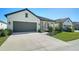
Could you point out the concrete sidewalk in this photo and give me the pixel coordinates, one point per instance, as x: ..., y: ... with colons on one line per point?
x: 73, y: 46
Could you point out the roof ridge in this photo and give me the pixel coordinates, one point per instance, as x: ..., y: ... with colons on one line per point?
x: 63, y: 18
x: 15, y: 12
x: 44, y: 18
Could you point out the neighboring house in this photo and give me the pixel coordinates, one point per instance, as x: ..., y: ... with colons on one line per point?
x: 65, y: 23
x: 76, y: 25
x: 3, y: 25
x: 26, y: 21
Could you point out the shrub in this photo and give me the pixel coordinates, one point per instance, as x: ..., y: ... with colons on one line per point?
x: 73, y: 29
x: 58, y: 29
x: 39, y: 30
x: 50, y: 30
x: 6, y: 32
x: 9, y: 32
x: 69, y: 29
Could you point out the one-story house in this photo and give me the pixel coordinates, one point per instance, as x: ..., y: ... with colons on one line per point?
x: 26, y: 21
x: 3, y: 25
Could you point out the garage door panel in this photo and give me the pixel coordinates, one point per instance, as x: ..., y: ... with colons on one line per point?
x: 24, y: 27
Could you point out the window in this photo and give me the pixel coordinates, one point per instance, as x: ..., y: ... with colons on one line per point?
x: 26, y: 15
x: 68, y: 21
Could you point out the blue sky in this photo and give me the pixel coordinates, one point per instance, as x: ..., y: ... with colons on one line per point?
x: 52, y: 13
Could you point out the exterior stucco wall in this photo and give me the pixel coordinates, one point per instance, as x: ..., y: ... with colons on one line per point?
x: 20, y: 16
x: 45, y: 24
x: 52, y: 24
x: 56, y: 24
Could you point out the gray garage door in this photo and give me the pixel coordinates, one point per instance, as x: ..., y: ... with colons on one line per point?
x: 24, y: 27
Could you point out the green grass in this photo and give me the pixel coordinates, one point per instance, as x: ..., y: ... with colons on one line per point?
x: 2, y: 40
x: 67, y: 36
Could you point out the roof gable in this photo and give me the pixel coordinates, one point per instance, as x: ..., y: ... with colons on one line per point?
x: 18, y: 11
x: 41, y: 18
x: 44, y: 19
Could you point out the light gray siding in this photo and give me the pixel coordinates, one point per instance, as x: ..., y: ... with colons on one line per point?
x: 20, y: 16
x: 44, y: 25
x: 67, y: 23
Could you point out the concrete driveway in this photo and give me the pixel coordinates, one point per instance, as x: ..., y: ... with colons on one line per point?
x: 31, y: 42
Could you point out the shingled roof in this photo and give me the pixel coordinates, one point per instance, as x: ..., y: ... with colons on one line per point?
x: 61, y: 20
x: 44, y: 18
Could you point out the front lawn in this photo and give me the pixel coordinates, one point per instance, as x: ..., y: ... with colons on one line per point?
x: 2, y: 40
x: 67, y: 36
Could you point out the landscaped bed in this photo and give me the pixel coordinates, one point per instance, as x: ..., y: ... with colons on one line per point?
x: 4, y: 34
x: 67, y: 36
x: 2, y: 40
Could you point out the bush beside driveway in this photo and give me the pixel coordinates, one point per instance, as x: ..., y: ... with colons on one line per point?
x: 4, y: 34
x: 2, y: 40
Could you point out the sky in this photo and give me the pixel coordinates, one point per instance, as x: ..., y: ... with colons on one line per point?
x: 52, y: 13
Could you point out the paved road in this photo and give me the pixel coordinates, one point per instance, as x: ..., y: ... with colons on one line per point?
x: 31, y: 42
